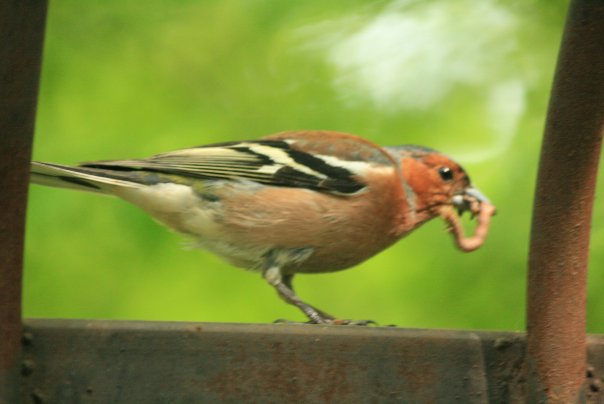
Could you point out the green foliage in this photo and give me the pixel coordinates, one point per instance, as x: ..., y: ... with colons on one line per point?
x: 129, y: 79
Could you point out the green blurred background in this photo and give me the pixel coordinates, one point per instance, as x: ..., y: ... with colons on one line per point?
x: 131, y: 78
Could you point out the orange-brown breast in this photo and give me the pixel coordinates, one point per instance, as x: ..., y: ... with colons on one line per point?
x: 342, y: 230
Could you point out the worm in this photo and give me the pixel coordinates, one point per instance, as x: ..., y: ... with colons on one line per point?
x: 484, y: 212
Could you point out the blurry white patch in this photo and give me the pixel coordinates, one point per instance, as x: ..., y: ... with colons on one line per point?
x: 412, y: 54
x: 505, y: 106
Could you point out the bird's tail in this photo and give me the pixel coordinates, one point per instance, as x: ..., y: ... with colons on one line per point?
x: 79, y: 178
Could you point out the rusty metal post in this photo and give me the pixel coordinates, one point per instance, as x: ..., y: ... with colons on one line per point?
x: 21, y: 36
x: 558, y: 258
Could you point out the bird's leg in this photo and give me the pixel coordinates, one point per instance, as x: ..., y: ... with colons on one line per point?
x: 283, y: 287
x: 287, y: 281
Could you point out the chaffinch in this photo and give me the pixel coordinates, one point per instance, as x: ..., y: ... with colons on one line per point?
x: 295, y: 202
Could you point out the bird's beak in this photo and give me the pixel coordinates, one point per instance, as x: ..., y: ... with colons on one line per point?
x: 469, y: 200
x: 476, y: 194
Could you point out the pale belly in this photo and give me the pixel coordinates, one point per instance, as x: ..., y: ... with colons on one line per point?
x: 244, y: 225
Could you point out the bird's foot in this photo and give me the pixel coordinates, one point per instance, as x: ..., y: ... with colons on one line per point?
x: 285, y: 321
x: 353, y: 322
x: 331, y: 321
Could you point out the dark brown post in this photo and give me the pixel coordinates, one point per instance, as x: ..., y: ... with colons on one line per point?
x: 21, y: 36
x: 558, y: 259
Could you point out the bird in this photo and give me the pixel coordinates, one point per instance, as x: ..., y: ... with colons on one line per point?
x: 296, y: 202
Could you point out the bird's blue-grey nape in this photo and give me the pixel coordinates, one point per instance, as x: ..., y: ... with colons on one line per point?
x: 409, y: 150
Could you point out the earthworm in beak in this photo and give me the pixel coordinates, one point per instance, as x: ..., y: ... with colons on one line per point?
x: 478, y: 205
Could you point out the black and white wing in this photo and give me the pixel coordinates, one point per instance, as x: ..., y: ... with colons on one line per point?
x: 302, y: 159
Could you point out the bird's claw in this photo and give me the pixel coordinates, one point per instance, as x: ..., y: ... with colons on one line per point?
x: 364, y: 323
x: 335, y: 321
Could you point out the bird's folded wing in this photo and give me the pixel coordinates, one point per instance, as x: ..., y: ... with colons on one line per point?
x: 323, y: 163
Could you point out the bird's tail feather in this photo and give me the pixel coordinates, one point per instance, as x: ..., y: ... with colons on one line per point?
x: 79, y: 178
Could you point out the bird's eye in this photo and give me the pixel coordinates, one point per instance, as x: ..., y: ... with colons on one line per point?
x: 445, y: 173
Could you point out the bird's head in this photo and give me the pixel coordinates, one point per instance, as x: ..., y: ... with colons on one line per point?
x: 436, y: 185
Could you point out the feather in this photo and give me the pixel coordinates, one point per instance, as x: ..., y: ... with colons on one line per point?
x: 280, y: 161
x: 82, y: 179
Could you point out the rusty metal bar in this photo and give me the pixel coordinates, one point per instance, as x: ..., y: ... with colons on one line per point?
x: 558, y: 258
x: 147, y: 362
x: 71, y: 361
x: 22, y: 25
